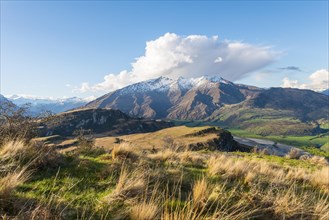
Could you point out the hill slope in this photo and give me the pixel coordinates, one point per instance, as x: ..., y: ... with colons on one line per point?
x: 98, y: 121
x: 277, y: 111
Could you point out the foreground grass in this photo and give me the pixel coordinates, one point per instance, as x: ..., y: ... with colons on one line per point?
x: 129, y: 182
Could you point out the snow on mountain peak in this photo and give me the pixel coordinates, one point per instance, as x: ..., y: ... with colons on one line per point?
x: 164, y: 84
x: 40, y: 104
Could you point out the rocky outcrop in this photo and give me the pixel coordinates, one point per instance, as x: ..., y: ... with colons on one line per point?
x: 223, y: 142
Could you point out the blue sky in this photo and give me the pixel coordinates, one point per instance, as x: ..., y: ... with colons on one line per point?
x: 51, y: 48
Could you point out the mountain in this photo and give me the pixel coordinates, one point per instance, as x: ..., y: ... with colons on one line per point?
x: 38, y: 105
x: 325, y: 92
x: 113, y: 122
x: 194, y: 98
x: 5, y: 101
x: 215, y: 99
x: 277, y: 111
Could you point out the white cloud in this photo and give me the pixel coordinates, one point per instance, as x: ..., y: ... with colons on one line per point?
x: 218, y: 60
x: 319, y: 81
x: 189, y: 56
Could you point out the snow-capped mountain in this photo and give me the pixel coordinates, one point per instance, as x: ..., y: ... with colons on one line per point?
x: 172, y: 98
x: 4, y: 100
x: 203, y: 97
x: 325, y: 92
x: 164, y: 84
x: 55, y: 105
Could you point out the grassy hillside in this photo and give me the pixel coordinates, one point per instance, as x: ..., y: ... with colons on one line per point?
x: 153, y: 176
x: 315, y: 144
x: 264, y: 121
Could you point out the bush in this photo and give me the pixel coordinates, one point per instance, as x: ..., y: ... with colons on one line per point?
x: 85, y: 140
x: 15, y: 124
x: 293, y: 154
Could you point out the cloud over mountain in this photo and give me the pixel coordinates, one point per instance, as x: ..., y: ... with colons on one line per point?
x: 173, y: 55
x: 319, y: 81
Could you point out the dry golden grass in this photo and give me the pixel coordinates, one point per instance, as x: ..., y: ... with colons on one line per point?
x: 11, y: 180
x: 321, y: 209
x: 192, y: 158
x: 144, y: 211
x: 288, y: 204
x: 321, y: 177
x: 200, y: 192
x: 293, y: 154
x: 189, y: 185
x: 158, y: 139
x: 124, y: 151
x: 252, y: 171
x: 229, y: 166
x: 13, y: 149
x: 163, y: 155
x: 34, y: 154
x: 318, y: 160
x: 129, y: 185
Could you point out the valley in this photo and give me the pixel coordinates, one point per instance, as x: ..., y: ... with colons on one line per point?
x: 240, y: 161
x: 164, y: 110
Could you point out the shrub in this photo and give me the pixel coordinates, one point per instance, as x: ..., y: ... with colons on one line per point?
x: 85, y: 140
x: 124, y: 151
x: 15, y: 124
x: 293, y: 154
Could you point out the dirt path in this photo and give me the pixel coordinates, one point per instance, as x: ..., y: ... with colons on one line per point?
x: 272, y: 147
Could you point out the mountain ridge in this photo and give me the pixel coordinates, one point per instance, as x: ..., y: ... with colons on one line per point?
x: 113, y: 122
x: 154, y: 98
x: 38, y: 105
x: 216, y: 99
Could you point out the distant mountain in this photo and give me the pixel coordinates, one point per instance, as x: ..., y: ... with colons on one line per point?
x: 38, y: 105
x: 4, y: 100
x: 113, y: 122
x: 325, y: 92
x: 218, y: 100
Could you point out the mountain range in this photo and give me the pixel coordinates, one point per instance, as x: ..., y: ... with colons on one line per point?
x: 210, y: 99
x: 38, y: 105
x: 4, y: 101
x: 215, y: 99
